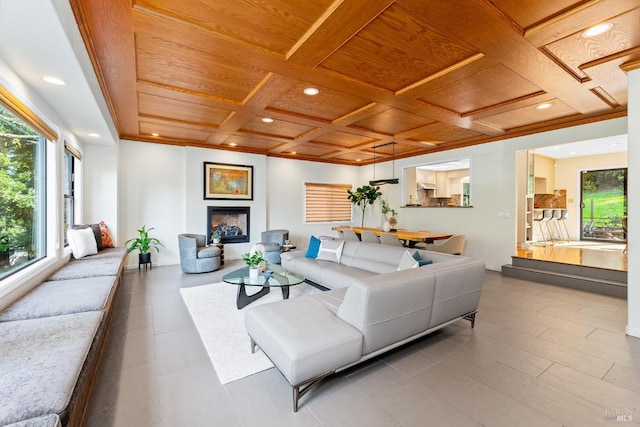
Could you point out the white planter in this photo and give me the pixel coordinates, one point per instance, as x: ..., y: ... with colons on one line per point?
x: 253, y: 273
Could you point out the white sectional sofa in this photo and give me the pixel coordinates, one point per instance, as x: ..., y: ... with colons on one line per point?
x: 371, y: 307
x: 51, y: 340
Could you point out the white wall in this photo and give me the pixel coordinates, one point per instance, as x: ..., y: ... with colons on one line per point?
x: 171, y: 197
x: 100, y: 177
x: 196, y: 205
x: 152, y: 193
x: 285, y: 192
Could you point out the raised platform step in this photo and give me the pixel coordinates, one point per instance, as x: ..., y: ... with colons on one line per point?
x: 602, y: 281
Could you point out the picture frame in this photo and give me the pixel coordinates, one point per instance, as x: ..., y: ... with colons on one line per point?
x: 224, y: 181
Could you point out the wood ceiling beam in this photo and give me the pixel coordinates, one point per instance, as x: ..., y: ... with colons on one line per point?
x: 490, y: 32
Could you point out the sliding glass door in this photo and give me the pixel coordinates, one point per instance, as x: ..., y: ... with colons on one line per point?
x: 604, y: 205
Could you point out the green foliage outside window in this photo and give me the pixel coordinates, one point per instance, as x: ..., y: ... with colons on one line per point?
x: 18, y: 198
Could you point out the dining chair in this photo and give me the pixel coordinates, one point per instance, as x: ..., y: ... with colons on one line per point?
x: 390, y: 239
x: 454, y: 245
x: 369, y: 237
x: 350, y: 235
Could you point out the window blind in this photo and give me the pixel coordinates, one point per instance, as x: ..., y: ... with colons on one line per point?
x: 327, y: 202
x: 14, y: 105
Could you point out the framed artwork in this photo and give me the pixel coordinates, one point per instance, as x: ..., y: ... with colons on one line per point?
x: 228, y: 182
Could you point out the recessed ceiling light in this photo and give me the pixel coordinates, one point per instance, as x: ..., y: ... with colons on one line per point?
x: 54, y: 81
x: 596, y: 30
x: 544, y: 106
x: 267, y: 119
x: 94, y: 135
x: 155, y: 134
x: 358, y: 160
x: 311, y: 91
x: 293, y: 152
x: 232, y: 144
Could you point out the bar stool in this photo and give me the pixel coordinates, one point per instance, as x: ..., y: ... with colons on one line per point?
x: 564, y: 214
x: 546, y: 216
x: 555, y: 217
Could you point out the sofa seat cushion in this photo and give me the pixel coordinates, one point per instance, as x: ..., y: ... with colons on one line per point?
x: 51, y: 420
x: 60, y: 297
x: 340, y: 276
x: 40, y: 360
x: 83, y: 268
x: 208, y: 252
x: 331, y: 299
x: 303, y: 337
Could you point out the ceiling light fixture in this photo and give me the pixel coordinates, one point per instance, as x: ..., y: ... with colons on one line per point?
x: 94, y: 135
x: 54, y: 80
x: 232, y: 144
x: 155, y: 134
x: 393, y: 160
x: 267, y: 119
x: 596, y: 30
x: 311, y: 91
x: 544, y: 106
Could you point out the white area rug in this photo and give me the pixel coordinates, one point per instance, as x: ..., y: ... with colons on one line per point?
x: 221, y: 326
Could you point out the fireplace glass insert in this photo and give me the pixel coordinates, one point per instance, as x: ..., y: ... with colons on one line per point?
x: 231, y: 222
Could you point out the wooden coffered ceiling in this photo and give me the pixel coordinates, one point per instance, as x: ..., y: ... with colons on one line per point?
x: 430, y: 75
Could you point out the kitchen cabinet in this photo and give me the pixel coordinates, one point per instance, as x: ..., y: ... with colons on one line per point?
x: 444, y: 184
x: 426, y: 176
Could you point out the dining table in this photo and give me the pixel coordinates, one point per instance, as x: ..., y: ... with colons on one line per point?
x: 411, y: 237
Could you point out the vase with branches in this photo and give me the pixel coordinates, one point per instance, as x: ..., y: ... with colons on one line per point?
x: 390, y: 216
x: 364, y: 196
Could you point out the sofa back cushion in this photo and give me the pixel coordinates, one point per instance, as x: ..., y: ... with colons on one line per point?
x: 371, y: 256
x: 388, y: 308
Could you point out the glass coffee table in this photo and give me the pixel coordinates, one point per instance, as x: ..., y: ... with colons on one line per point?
x: 273, y: 277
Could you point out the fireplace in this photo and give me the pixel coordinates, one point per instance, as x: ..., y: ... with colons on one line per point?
x: 231, y: 222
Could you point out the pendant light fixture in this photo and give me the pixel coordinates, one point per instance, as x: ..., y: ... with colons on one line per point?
x: 392, y: 180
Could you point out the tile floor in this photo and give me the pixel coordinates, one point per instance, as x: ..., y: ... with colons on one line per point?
x: 539, y: 355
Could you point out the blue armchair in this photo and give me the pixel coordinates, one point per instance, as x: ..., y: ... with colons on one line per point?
x: 196, y: 256
x: 272, y: 241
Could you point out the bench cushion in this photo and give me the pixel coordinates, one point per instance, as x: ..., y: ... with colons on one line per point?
x: 40, y: 360
x: 88, y: 267
x: 51, y: 420
x: 59, y: 297
x: 303, y: 337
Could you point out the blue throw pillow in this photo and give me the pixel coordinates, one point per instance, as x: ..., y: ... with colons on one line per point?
x: 314, y: 247
x: 421, y: 262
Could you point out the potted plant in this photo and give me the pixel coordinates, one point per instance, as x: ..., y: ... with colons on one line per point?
x: 216, y: 237
x: 390, y: 216
x: 364, y: 196
x: 144, y: 244
x: 253, y: 261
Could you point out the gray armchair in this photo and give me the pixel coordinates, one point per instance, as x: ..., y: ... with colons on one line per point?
x: 272, y: 241
x: 196, y: 256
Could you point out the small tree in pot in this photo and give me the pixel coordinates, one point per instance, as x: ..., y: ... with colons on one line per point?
x: 144, y: 244
x: 363, y: 196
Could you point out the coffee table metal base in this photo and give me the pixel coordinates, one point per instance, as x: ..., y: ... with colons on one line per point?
x: 244, y: 300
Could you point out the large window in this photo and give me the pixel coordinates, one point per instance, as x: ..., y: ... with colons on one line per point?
x: 326, y: 202
x: 68, y: 165
x: 22, y: 194
x: 603, y: 200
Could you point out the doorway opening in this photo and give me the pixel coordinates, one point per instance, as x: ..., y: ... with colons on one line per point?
x: 603, y: 205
